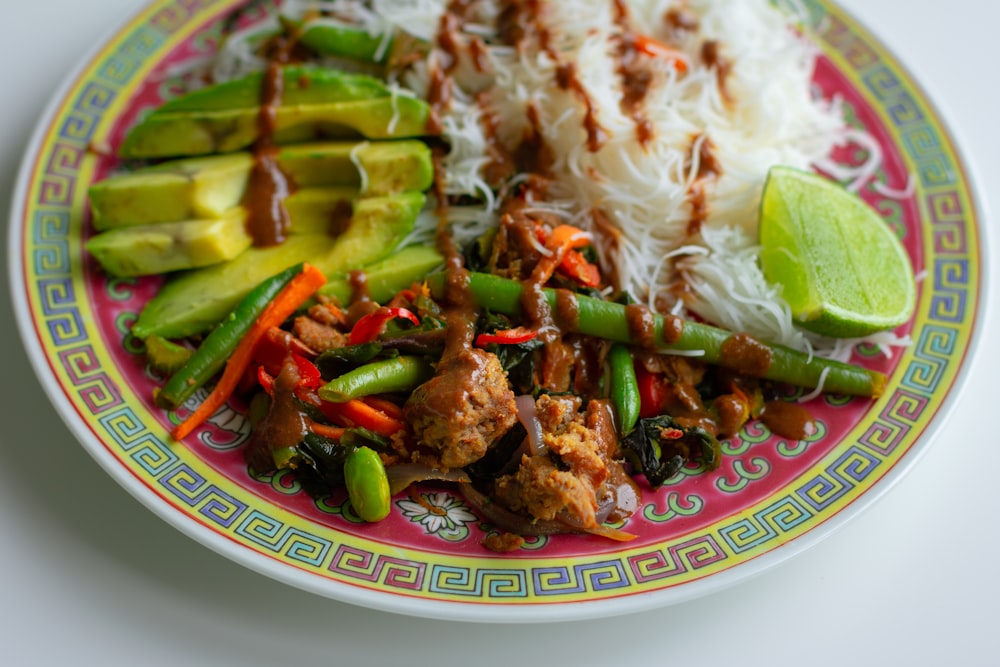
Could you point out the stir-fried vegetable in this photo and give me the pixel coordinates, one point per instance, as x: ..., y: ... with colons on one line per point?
x: 608, y: 320
x: 302, y: 286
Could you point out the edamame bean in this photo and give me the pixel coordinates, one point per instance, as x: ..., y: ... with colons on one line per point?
x: 367, y: 484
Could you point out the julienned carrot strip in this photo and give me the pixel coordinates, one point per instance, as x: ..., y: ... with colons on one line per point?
x: 385, y: 405
x: 327, y: 431
x: 294, y: 294
x: 356, y: 412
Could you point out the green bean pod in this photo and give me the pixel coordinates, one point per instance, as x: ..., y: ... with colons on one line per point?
x: 623, y: 388
x: 608, y: 320
x: 217, y: 347
x: 367, y: 484
x: 378, y: 377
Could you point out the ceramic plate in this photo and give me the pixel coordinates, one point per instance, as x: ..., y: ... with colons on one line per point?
x: 769, y: 499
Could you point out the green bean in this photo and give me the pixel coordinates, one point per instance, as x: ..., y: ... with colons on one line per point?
x: 367, y: 484
x: 378, y: 377
x: 217, y: 347
x: 608, y: 320
x: 623, y: 388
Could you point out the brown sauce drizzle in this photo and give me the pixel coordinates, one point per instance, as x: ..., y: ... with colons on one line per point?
x: 680, y: 20
x: 711, y: 55
x: 788, y: 420
x: 673, y: 329
x: 567, y: 314
x: 537, y: 310
x: 567, y: 79
x: 641, y: 325
x: 745, y: 354
x: 268, y: 186
x: 709, y: 168
x: 501, y: 165
x: 519, y: 24
x: 533, y: 154
x: 636, y: 77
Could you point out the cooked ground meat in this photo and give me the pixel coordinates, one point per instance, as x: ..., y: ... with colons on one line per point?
x: 319, y: 336
x: 567, y: 483
x: 463, y: 409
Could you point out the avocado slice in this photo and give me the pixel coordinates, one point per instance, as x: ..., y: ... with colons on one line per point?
x: 142, y: 250
x: 389, y: 275
x: 326, y: 37
x: 204, y: 187
x: 300, y: 85
x: 163, y: 135
x: 195, y: 301
x: 315, y: 102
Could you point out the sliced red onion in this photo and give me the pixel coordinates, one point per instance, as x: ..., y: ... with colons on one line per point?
x: 401, y: 476
x: 527, y: 414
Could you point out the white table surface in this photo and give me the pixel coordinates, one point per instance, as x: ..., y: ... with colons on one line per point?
x: 911, y: 581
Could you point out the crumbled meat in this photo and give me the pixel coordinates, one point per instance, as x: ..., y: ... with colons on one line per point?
x: 502, y: 543
x: 463, y: 409
x: 319, y: 336
x: 566, y: 483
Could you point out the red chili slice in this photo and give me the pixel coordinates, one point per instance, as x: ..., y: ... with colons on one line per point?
x: 371, y: 325
x: 506, y: 337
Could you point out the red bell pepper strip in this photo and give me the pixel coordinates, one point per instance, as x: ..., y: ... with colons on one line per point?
x: 371, y: 325
x: 309, y: 375
x: 579, y: 269
x: 653, y: 392
x: 562, y: 239
x: 275, y: 345
x: 506, y: 337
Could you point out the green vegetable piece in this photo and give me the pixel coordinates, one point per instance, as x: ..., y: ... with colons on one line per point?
x: 659, y: 447
x: 208, y: 187
x: 367, y: 484
x: 623, y: 387
x: 196, y: 301
x: 170, y: 192
x: 144, y: 250
x: 300, y: 84
x: 217, y: 347
x: 403, y: 373
x: 164, y: 356
x: 388, y: 276
x: 329, y: 39
x: 606, y: 319
x: 315, y: 102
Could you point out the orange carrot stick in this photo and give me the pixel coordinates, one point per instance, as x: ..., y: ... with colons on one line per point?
x: 356, y: 412
x: 295, y: 293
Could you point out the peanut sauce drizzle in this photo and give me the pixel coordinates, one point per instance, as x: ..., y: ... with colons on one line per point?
x: 709, y: 169
x: 636, y: 77
x: 268, y: 186
x: 746, y: 355
x: 788, y: 420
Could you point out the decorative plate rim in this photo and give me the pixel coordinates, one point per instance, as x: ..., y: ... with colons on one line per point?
x: 42, y: 361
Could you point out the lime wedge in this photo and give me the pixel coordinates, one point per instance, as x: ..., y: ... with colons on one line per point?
x: 842, y: 270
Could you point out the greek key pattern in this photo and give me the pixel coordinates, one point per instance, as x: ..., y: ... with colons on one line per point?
x: 390, y: 572
x: 281, y: 539
x: 688, y: 556
x: 766, y: 524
